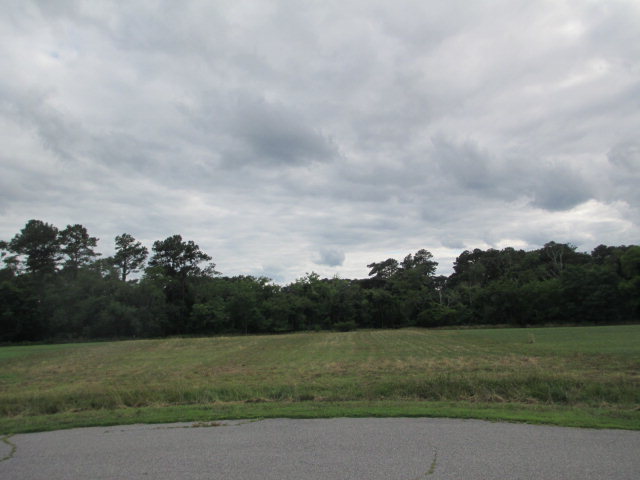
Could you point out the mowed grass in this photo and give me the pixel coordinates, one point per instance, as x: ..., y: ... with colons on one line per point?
x: 587, y: 376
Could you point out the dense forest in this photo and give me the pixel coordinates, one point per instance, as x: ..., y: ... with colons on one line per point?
x: 54, y: 285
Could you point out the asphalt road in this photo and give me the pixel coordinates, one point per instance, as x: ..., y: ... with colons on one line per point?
x: 362, y: 449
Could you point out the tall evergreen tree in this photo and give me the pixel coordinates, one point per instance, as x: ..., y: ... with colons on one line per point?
x: 130, y: 255
x: 10, y: 263
x: 174, y: 263
x: 78, y: 247
x: 179, y: 259
x: 39, y: 243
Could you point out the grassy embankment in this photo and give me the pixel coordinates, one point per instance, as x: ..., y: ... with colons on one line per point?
x: 580, y: 376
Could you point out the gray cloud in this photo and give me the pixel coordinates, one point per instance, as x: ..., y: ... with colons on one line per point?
x: 559, y: 188
x: 551, y: 187
x: 466, y: 164
x: 626, y: 156
x: 279, y: 135
x: 330, y: 257
x: 270, y: 134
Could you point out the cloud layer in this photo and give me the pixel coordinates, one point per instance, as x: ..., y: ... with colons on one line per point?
x: 286, y: 137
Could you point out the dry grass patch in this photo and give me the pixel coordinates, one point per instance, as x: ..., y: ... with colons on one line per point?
x: 579, y: 366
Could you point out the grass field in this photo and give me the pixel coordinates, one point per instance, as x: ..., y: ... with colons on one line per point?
x: 582, y: 376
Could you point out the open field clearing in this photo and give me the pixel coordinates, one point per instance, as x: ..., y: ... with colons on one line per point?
x: 587, y: 376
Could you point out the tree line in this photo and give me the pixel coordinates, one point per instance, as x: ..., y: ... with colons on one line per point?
x: 54, y: 285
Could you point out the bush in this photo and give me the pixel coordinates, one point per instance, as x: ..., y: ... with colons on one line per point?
x: 437, y: 316
x: 345, y: 326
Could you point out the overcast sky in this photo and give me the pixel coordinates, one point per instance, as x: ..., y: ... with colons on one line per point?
x: 286, y: 137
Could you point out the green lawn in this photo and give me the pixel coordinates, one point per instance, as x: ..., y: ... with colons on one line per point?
x: 582, y: 376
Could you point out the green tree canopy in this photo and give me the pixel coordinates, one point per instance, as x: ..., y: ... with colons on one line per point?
x: 383, y: 270
x: 130, y: 255
x: 39, y: 243
x: 180, y: 259
x: 77, y: 246
x: 11, y: 262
